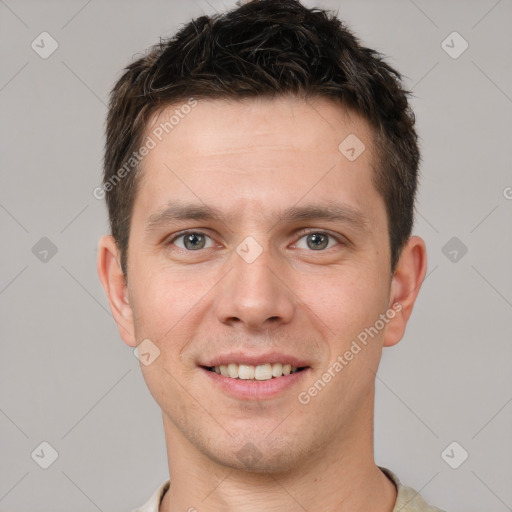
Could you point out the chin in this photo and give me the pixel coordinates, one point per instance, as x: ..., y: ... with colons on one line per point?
x: 258, y: 454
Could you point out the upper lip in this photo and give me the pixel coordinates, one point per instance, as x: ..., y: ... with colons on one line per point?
x: 255, y: 359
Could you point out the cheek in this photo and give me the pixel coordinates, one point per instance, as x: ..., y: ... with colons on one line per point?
x: 347, y: 301
x: 161, y: 297
x: 170, y: 308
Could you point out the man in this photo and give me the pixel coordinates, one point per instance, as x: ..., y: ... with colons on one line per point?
x: 260, y: 174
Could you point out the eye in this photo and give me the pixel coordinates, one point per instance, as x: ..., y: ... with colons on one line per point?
x: 317, y: 241
x: 191, y: 240
x: 196, y: 240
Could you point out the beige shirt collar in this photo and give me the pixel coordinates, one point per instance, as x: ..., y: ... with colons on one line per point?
x: 408, y: 500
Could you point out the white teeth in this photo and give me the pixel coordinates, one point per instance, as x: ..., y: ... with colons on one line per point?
x: 233, y: 370
x: 245, y: 371
x: 277, y: 370
x: 263, y: 372
x: 249, y: 372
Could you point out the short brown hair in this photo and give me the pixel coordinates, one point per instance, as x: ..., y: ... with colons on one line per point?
x: 264, y: 48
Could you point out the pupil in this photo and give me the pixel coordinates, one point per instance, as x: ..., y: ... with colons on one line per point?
x: 193, y: 239
x: 318, y: 241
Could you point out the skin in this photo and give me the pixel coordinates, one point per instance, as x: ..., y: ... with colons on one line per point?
x: 252, y: 160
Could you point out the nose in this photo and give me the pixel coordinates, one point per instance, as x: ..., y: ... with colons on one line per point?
x: 255, y: 294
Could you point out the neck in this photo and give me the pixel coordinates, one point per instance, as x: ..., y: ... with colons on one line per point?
x: 342, y: 477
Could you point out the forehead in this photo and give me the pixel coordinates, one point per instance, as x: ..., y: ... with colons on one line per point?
x: 258, y: 151
x: 217, y: 127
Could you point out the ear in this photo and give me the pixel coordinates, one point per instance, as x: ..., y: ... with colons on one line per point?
x: 407, y: 279
x: 114, y: 284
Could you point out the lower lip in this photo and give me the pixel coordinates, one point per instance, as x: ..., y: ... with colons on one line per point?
x: 255, y: 389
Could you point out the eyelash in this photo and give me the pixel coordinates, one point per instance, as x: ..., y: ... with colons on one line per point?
x: 302, y: 234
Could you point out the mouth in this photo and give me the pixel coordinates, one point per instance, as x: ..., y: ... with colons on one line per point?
x: 265, y: 376
x: 260, y: 372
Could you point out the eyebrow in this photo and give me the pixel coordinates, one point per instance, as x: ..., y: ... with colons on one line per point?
x: 330, y: 211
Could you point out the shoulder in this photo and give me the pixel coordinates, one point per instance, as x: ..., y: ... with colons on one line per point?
x: 408, y: 500
x: 153, y: 504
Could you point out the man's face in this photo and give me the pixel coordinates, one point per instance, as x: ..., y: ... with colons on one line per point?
x: 257, y: 284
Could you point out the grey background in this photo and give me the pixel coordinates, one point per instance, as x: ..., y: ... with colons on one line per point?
x: 67, y: 378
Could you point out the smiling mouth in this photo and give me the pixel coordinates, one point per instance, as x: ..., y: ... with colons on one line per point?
x: 266, y: 371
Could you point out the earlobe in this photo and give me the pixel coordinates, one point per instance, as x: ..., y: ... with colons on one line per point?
x: 114, y: 284
x: 405, y: 286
